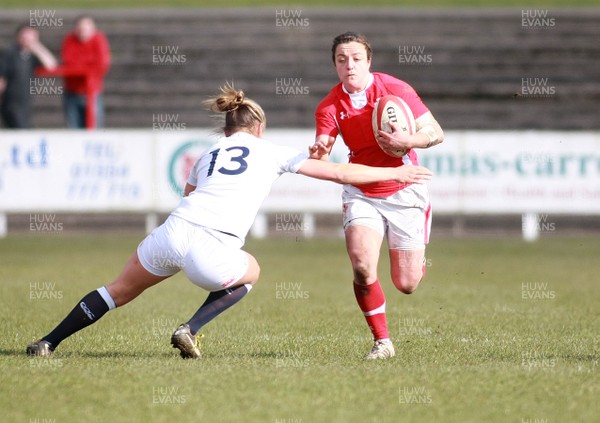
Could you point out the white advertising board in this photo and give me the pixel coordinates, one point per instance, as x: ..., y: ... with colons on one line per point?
x: 74, y: 171
x: 142, y: 170
x: 515, y: 172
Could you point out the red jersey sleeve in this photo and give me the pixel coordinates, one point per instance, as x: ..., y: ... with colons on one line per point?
x: 405, y: 92
x: 326, y: 123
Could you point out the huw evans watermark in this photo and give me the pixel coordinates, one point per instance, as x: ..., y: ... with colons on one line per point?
x: 291, y: 18
x: 537, y: 291
x: 44, y: 291
x: 410, y: 326
x: 536, y: 360
x: 51, y: 363
x: 162, y: 327
x: 162, y: 259
x: 42, y: 420
x: 167, y: 55
x: 534, y: 420
x: 45, y: 18
x: 291, y: 359
x: 290, y: 87
x: 290, y: 291
x: 415, y: 395
x: 44, y: 222
x: 542, y: 159
x: 536, y: 88
x: 414, y: 55
x: 168, y: 395
x: 542, y: 222
x: 167, y: 122
x: 537, y: 19
x: 45, y: 87
x: 291, y: 222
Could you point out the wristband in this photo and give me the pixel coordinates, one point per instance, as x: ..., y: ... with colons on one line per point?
x: 430, y: 131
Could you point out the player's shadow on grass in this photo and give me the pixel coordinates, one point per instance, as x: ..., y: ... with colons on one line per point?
x: 20, y: 352
x: 12, y: 352
x: 262, y: 354
x: 90, y: 354
x: 118, y: 354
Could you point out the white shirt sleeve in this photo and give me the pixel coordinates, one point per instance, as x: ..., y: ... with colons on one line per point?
x: 290, y: 159
x: 193, y: 178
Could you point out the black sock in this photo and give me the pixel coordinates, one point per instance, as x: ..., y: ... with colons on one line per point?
x: 216, y: 303
x: 89, y: 310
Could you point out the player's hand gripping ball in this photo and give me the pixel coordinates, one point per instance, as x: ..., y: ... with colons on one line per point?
x: 391, y: 108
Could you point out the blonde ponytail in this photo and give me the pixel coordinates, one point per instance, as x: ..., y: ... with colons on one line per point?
x: 240, y: 112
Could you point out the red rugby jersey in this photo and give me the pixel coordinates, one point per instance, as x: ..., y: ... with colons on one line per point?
x: 335, y: 115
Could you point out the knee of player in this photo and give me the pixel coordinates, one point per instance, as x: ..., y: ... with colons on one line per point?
x: 362, y: 274
x: 253, y: 271
x: 407, y: 285
x: 407, y: 289
x: 257, y: 272
x: 253, y: 274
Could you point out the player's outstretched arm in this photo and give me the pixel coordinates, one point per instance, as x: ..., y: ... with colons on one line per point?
x: 350, y: 173
x: 321, y: 148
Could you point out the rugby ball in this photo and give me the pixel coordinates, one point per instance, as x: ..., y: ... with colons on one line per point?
x: 391, y: 108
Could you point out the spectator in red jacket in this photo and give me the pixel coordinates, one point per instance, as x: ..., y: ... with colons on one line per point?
x: 86, y: 48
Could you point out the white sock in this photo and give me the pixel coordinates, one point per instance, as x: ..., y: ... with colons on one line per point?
x: 106, y: 297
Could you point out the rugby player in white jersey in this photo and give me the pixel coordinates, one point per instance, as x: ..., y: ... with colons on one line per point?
x: 204, y: 235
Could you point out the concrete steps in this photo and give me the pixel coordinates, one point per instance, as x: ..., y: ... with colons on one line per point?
x: 478, y: 58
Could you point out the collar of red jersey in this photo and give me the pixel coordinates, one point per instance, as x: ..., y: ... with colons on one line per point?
x: 369, y: 83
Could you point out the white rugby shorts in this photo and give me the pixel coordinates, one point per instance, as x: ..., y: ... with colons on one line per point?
x: 211, y: 259
x: 404, y: 217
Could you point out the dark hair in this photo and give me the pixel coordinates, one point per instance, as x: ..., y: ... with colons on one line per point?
x: 348, y: 37
x: 240, y: 111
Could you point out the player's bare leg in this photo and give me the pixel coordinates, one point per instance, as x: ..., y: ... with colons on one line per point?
x: 407, y: 269
x: 185, y: 337
x: 132, y: 281
x: 252, y: 274
x: 363, y: 245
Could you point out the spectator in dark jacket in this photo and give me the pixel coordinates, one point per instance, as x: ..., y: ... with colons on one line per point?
x: 17, y: 65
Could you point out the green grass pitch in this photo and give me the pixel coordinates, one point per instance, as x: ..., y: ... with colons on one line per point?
x: 500, y: 331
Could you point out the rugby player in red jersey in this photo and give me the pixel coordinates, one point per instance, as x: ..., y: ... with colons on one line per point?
x: 204, y: 235
x: 399, y: 212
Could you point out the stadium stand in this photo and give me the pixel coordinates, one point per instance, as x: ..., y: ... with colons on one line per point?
x: 475, y: 62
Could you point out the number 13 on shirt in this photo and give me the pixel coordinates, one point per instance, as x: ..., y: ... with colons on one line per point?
x: 236, y: 164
